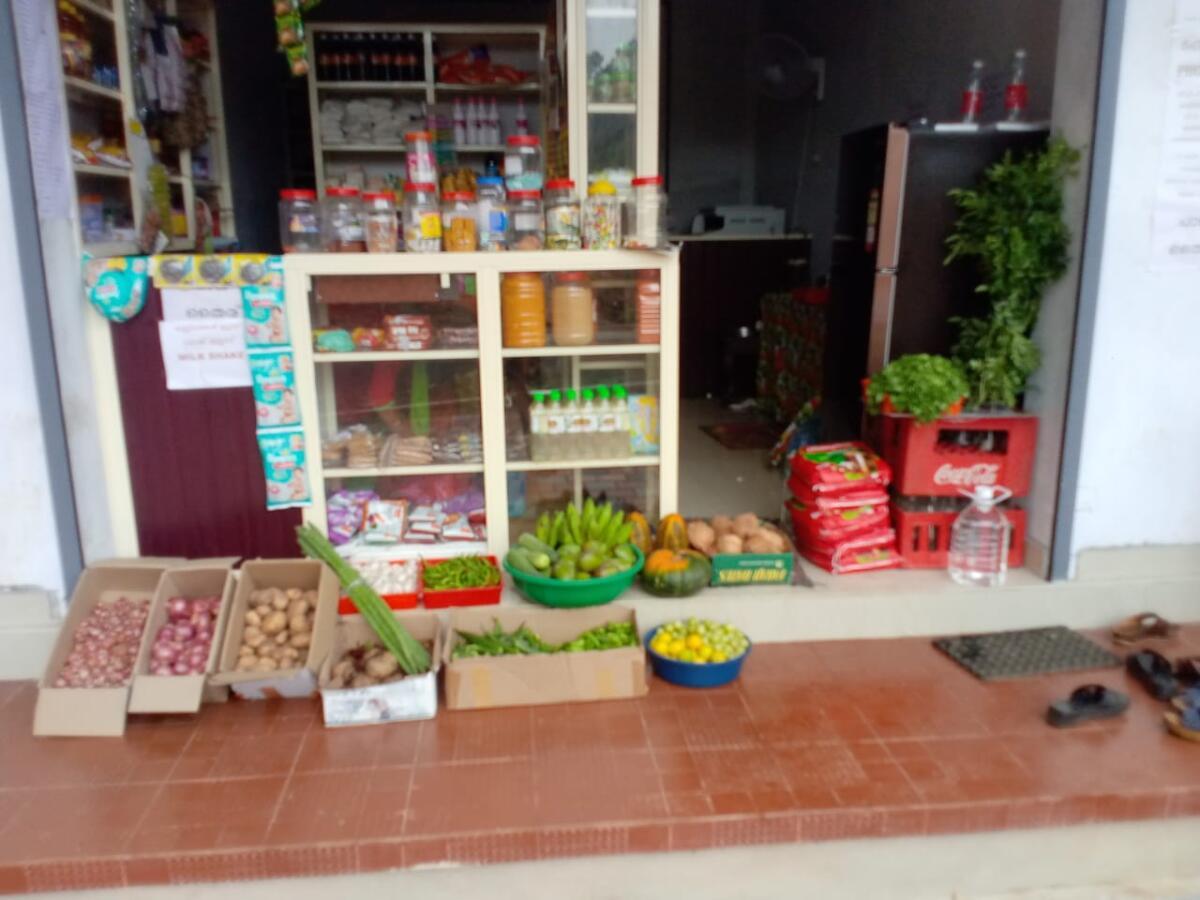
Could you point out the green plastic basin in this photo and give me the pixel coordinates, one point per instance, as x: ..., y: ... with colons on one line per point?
x: 593, y: 592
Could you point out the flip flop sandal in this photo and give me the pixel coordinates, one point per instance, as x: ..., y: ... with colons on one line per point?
x: 1142, y: 626
x: 1185, y: 724
x: 1186, y: 699
x: 1153, y: 671
x: 1187, y: 669
x: 1092, y: 701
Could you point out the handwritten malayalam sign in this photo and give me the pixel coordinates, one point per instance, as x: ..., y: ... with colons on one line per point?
x: 1176, y: 234
x: 203, y: 355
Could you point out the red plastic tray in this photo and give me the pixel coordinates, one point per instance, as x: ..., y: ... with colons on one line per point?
x: 943, y: 457
x: 346, y: 606
x: 484, y: 596
x: 924, y: 537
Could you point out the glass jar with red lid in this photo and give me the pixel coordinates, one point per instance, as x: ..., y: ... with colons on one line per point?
x: 644, y: 225
x: 562, y: 215
x: 341, y: 221
x: 299, y: 221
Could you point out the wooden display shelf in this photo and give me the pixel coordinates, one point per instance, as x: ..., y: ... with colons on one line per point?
x: 525, y: 87
x: 390, y: 87
x: 612, y: 109
x: 402, y: 471
x: 478, y: 148
x: 567, y: 465
x: 96, y: 9
x: 101, y: 170
x: 79, y: 86
x: 363, y: 148
x: 393, y: 356
x: 587, y: 350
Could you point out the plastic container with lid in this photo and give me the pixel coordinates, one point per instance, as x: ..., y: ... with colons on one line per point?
x: 602, y: 217
x: 379, y: 222
x: 421, y: 164
x: 299, y: 221
x: 341, y: 221
x: 527, y: 222
x: 493, y: 213
x: 523, y: 310
x: 422, y: 218
x: 572, y: 310
x: 649, y: 307
x: 563, y: 231
x: 460, y: 230
x: 523, y: 163
x: 645, y: 226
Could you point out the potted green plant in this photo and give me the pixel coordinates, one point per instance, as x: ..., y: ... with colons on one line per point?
x: 1012, y: 224
x: 921, y: 385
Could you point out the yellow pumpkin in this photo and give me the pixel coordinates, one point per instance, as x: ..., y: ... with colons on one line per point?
x: 672, y: 533
x: 676, y: 573
x: 641, y: 536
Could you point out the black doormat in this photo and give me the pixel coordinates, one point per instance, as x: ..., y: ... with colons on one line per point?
x: 1032, y: 651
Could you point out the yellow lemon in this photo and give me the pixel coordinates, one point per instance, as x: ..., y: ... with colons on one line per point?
x: 694, y: 642
x: 717, y: 657
x: 704, y: 653
x: 686, y: 656
x: 677, y: 647
x: 660, y: 647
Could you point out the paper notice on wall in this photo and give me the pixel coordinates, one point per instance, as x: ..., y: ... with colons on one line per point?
x: 1176, y: 228
x: 204, y: 355
x: 202, y: 304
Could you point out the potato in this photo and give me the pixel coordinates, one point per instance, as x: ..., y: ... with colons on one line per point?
x: 383, y: 666
x: 281, y: 637
x: 266, y: 664
x: 299, y: 607
x: 729, y: 543
x: 745, y: 525
x: 266, y: 648
x: 246, y: 663
x: 363, y: 681
x: 275, y: 622
x: 289, y: 653
x: 771, y: 538
x: 301, y: 640
x: 757, y: 543
x: 279, y: 603
x: 252, y: 637
x: 310, y: 597
x: 253, y: 618
x: 722, y: 525
x: 263, y: 610
x: 298, y: 624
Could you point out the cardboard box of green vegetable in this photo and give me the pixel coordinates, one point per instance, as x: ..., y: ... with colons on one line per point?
x: 544, y: 656
x: 409, y: 699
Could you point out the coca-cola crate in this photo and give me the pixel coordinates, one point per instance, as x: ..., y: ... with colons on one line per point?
x: 923, y: 538
x: 943, y: 457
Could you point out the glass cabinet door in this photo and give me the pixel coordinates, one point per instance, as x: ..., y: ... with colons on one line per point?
x: 581, y: 390
x: 397, y: 386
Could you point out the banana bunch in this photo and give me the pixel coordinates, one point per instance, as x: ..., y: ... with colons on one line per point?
x: 576, y: 544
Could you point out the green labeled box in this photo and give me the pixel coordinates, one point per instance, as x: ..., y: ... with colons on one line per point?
x: 730, y: 569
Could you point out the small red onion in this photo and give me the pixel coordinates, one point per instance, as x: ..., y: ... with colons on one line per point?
x: 177, y: 607
x: 165, y: 652
x: 181, y: 632
x: 180, y: 667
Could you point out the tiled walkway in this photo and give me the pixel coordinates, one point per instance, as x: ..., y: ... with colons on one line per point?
x: 817, y: 741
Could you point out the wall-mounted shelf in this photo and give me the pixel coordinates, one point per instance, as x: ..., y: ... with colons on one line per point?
x: 612, y: 109
x: 104, y: 171
x: 589, y: 350
x: 526, y: 87
x: 567, y: 465
x: 364, y: 148
x: 96, y: 9
x: 405, y: 471
x: 78, y: 86
x: 372, y: 87
x: 394, y: 356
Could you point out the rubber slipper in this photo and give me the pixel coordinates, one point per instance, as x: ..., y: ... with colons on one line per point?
x: 1092, y: 701
x: 1142, y: 626
x: 1187, y: 669
x: 1153, y: 672
x: 1187, y: 699
x: 1184, y: 724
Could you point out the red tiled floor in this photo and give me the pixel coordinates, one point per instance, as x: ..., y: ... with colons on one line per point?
x: 815, y: 742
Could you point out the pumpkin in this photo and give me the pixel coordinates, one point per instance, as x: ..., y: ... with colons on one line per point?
x: 641, y: 536
x: 672, y: 533
x: 676, y: 573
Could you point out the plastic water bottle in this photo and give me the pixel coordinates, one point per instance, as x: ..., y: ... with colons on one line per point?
x: 1016, y: 95
x: 972, y: 95
x: 979, y: 539
x: 537, y: 428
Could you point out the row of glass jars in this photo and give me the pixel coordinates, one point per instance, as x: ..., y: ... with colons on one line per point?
x: 348, y: 221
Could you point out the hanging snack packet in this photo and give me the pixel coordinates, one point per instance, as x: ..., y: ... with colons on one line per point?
x: 272, y: 373
x: 285, y: 466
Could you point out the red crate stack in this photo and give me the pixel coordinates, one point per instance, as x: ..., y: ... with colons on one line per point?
x: 935, y: 461
x: 839, y: 508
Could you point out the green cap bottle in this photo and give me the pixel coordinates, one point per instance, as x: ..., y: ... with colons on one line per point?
x: 619, y: 391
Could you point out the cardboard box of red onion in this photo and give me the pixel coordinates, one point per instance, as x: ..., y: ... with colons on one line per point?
x: 82, y: 692
x: 408, y: 699
x: 172, y: 669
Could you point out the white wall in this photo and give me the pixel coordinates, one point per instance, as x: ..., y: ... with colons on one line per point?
x: 28, y: 539
x: 1139, y: 479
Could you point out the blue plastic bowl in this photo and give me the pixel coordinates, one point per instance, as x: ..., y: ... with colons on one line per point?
x: 694, y: 675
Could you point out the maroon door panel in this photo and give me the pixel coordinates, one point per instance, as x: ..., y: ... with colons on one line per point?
x: 198, y: 486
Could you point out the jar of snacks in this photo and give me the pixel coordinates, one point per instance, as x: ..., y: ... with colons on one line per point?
x: 379, y: 222
x: 421, y: 164
x: 602, y: 217
x: 422, y: 218
x: 528, y: 224
x: 493, y: 213
x: 523, y: 163
x: 341, y: 221
x: 562, y: 215
x: 299, y: 221
x: 460, y: 232
x: 645, y: 225
x: 649, y: 306
x: 523, y: 310
x: 572, y: 310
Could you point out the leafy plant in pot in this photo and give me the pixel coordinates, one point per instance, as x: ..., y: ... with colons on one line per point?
x: 1012, y: 223
x: 926, y: 387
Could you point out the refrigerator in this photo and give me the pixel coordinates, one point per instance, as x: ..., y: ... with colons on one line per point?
x: 890, y: 293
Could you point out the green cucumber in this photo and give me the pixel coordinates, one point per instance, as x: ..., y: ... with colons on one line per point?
x: 570, y: 551
x: 564, y: 569
x: 518, y: 559
x: 589, y: 562
x: 533, y: 545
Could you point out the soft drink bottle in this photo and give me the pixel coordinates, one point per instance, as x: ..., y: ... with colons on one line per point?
x: 972, y: 97
x: 979, y: 539
x: 1016, y: 95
